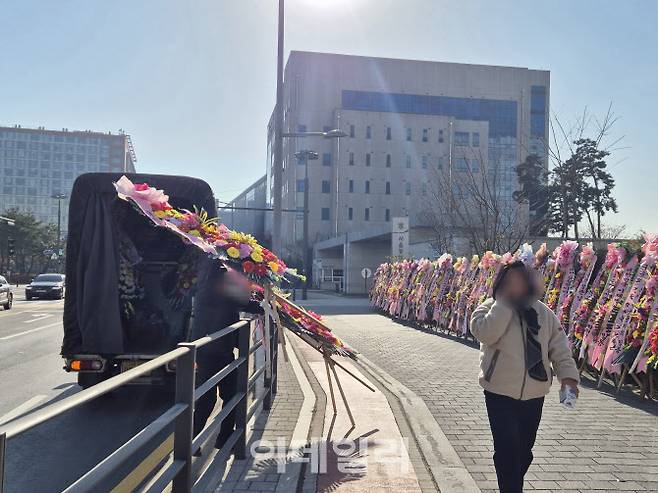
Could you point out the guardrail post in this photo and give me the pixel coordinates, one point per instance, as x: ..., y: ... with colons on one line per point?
x: 3, y: 442
x: 267, y: 380
x: 275, y: 361
x: 244, y: 337
x: 183, y: 429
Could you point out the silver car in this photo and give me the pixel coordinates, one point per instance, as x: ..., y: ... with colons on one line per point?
x: 6, y: 294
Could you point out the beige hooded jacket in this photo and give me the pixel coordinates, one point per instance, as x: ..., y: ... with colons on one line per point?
x: 502, y: 334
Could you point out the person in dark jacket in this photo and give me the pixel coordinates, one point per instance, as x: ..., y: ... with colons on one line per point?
x: 222, y: 295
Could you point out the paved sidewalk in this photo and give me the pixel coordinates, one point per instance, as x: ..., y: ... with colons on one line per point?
x: 607, y: 444
x: 256, y: 474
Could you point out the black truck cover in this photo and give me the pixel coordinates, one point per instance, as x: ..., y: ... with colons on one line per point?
x: 92, y: 318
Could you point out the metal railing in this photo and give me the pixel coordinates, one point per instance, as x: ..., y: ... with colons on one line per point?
x: 178, y: 470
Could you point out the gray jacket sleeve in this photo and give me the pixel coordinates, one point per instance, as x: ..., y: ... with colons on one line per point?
x: 490, y: 321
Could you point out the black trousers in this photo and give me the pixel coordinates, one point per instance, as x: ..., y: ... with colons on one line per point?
x: 514, y: 425
x: 208, y: 363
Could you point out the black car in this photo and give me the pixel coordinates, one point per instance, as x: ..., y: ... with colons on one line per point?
x: 6, y: 294
x: 46, y: 286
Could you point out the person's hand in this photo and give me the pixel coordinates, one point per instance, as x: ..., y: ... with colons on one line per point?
x: 570, y: 382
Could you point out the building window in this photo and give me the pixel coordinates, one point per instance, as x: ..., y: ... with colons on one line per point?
x: 326, y: 186
x: 387, y: 215
x: 351, y: 186
x: 408, y: 161
x: 300, y: 185
x: 368, y: 159
x: 424, y: 135
x: 301, y: 128
x: 475, y: 139
x: 367, y: 186
x: 475, y: 166
x: 388, y: 188
x: 407, y: 188
x: 350, y: 213
x: 368, y: 132
x: 424, y: 189
x: 424, y: 162
x: 325, y: 213
x: 439, y: 163
x: 326, y: 159
x: 367, y: 214
x: 440, y: 136
x: 351, y: 159
x: 461, y: 138
x: 461, y: 164
x: 388, y: 133
x: 388, y: 160
x: 409, y: 134
x: 352, y: 131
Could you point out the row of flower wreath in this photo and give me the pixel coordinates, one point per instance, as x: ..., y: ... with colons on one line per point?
x: 257, y: 262
x: 609, y: 314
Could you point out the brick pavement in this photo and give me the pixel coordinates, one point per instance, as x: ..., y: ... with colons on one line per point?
x: 607, y: 444
x: 256, y: 475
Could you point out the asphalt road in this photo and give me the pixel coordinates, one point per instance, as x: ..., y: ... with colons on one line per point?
x: 50, y: 457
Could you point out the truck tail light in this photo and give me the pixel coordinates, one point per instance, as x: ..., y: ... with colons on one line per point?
x: 85, y: 365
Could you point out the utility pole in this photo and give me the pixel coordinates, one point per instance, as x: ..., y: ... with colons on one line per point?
x: 278, y: 140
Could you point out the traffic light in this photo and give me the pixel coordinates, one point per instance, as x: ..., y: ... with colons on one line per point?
x: 11, y: 246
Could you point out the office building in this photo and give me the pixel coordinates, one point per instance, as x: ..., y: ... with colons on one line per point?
x: 38, y: 164
x: 411, y: 126
x: 246, y: 212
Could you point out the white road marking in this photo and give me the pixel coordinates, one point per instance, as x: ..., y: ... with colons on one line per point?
x: 29, y: 331
x: 23, y: 408
x: 37, y: 317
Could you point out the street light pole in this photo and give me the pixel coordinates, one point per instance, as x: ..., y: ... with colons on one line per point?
x: 307, y: 257
x: 304, y: 157
x: 278, y: 140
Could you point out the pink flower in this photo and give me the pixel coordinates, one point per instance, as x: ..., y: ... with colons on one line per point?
x: 141, y: 192
x: 506, y: 258
x: 245, y: 250
x: 587, y: 255
x: 565, y: 253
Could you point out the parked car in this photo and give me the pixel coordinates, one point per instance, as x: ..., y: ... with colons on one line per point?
x: 6, y: 294
x: 46, y: 286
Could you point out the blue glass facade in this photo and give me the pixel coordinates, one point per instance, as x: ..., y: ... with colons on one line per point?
x: 501, y: 115
x: 538, y: 111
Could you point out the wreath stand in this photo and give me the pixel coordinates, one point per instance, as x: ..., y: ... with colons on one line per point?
x: 329, y: 363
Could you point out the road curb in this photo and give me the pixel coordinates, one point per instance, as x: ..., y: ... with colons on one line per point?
x: 447, y: 469
x: 293, y: 476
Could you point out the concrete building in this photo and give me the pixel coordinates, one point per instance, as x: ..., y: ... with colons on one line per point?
x: 36, y: 164
x: 246, y: 212
x: 411, y: 125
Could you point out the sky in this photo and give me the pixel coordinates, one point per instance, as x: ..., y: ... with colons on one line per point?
x: 193, y: 82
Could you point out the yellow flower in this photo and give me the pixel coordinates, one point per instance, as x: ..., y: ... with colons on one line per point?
x: 160, y: 214
x: 273, y: 266
x: 256, y: 256
x: 194, y: 232
x: 233, y: 252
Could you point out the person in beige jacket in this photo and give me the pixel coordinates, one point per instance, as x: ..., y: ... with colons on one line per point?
x: 521, y: 347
